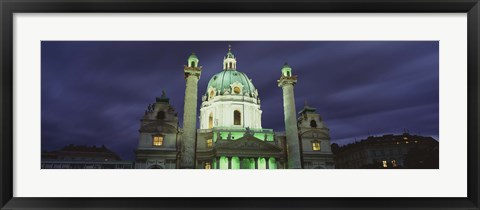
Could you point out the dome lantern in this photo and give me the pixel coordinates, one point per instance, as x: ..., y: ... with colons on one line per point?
x: 286, y: 70
x: 193, y: 60
x: 229, y: 61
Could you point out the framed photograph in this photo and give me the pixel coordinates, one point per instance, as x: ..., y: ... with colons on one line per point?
x: 240, y: 105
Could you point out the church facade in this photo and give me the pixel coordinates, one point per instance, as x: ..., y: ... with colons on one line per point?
x: 230, y: 133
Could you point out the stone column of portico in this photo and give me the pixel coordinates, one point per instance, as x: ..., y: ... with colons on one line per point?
x: 286, y: 82
x: 192, y: 75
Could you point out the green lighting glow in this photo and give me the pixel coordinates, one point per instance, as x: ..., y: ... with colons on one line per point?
x: 252, y: 163
x: 214, y: 163
x: 238, y: 135
x: 272, y: 163
x: 235, y: 163
x: 287, y: 70
x: 223, y: 162
x: 245, y: 163
x: 262, y: 164
x: 261, y: 136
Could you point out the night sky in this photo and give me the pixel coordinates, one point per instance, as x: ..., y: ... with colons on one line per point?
x: 95, y: 93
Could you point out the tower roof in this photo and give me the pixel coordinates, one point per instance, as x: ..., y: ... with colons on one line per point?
x: 286, y: 67
x: 163, y: 98
x: 193, y: 56
x: 306, y: 109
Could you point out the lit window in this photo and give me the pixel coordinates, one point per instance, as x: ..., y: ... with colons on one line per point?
x: 406, y: 142
x: 416, y: 142
x: 394, y: 163
x: 398, y: 142
x: 209, y: 143
x: 405, y: 138
x: 208, y: 165
x: 384, y: 162
x: 316, y: 146
x: 157, y: 140
x: 236, y: 90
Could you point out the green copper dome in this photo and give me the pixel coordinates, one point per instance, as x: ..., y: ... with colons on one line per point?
x: 222, y: 81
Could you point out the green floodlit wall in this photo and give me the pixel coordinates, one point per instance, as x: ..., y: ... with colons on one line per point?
x: 223, y: 162
x: 235, y: 163
x: 238, y: 135
x: 262, y: 164
x: 252, y: 163
x: 272, y: 163
x: 245, y: 163
x: 261, y: 136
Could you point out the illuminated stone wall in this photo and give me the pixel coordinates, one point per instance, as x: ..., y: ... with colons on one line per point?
x: 312, y: 130
x: 223, y: 107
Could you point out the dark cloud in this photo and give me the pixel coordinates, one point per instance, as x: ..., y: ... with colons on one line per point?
x: 95, y: 93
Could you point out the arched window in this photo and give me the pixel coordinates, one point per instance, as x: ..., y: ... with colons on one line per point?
x: 237, y: 118
x: 313, y: 124
x: 161, y: 115
x: 192, y: 64
x: 288, y: 73
x: 210, y: 121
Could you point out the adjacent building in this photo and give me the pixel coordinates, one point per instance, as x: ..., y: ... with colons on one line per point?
x: 389, y: 152
x: 83, y: 157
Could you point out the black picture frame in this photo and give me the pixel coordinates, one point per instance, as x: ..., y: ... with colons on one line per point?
x: 9, y: 7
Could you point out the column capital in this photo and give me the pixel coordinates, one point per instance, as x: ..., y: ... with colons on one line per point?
x: 287, y: 80
x: 192, y: 71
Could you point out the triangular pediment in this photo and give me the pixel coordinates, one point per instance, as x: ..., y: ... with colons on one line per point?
x: 247, y: 143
